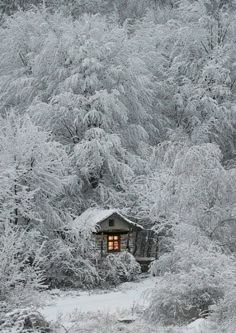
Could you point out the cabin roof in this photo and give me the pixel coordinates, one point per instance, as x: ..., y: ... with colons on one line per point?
x: 92, y: 217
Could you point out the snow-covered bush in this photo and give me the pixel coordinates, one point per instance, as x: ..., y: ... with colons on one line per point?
x: 20, y: 273
x: 223, y: 313
x: 73, y: 261
x: 191, y: 279
x: 24, y: 320
x: 120, y: 267
x: 71, y: 258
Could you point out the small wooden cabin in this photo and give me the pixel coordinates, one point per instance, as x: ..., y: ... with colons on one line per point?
x: 114, y: 232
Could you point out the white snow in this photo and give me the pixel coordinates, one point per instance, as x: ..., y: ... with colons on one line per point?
x: 126, y: 296
x: 199, y: 326
x: 93, y: 216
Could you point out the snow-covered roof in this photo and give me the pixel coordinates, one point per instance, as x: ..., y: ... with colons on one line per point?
x: 93, y: 216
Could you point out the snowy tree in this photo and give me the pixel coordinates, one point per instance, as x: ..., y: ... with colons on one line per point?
x: 101, y: 155
x: 71, y: 256
x: 186, y: 185
x: 89, y: 82
x: 32, y: 168
x: 129, y: 104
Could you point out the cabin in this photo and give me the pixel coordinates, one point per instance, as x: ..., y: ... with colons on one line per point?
x: 114, y: 233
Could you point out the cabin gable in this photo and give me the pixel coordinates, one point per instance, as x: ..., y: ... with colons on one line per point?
x: 116, y: 233
x: 115, y: 223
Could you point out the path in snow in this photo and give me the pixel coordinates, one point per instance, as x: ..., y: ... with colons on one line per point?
x: 126, y: 297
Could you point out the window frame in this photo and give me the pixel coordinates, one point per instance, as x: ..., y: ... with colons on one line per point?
x: 113, y: 241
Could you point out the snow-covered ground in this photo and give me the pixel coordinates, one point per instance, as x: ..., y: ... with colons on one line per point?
x: 65, y: 306
x: 126, y: 296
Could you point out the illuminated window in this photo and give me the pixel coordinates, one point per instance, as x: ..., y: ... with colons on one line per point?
x: 113, y: 243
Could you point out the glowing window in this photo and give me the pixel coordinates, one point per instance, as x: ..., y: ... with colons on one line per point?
x: 113, y: 243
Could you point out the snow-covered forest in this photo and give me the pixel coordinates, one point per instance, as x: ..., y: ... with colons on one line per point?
x: 125, y: 104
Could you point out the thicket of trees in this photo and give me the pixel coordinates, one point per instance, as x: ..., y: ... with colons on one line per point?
x: 127, y: 104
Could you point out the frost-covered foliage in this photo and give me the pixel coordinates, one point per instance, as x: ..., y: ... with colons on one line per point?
x: 21, y: 276
x: 24, y: 320
x: 119, y: 267
x: 9, y: 7
x: 191, y: 188
x: 223, y: 313
x: 192, y: 278
x: 32, y: 170
x: 71, y: 259
x: 92, y: 89
x: 125, y: 104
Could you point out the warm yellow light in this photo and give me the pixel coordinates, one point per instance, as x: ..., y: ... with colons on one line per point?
x: 116, y: 245
x: 113, y: 242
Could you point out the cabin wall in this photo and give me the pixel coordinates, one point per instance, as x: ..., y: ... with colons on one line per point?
x: 141, y: 244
